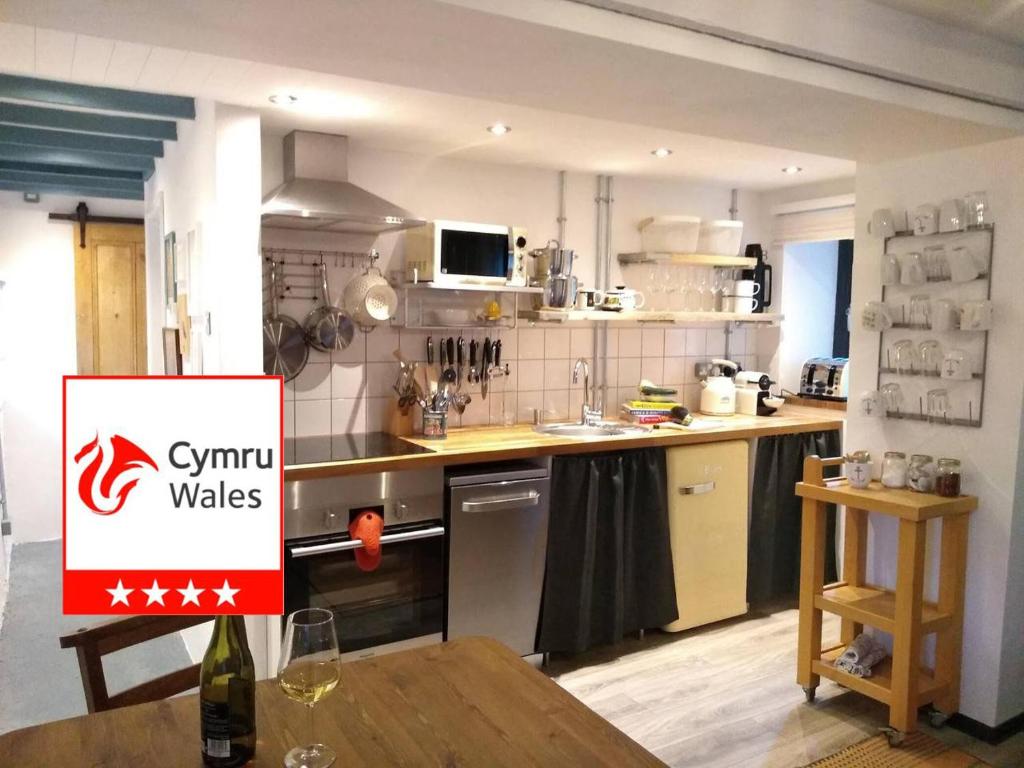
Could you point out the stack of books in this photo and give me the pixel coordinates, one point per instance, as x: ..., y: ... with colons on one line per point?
x: 647, y: 411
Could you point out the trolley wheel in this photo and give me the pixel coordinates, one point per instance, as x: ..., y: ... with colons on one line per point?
x: 809, y: 693
x: 893, y: 736
x: 937, y: 718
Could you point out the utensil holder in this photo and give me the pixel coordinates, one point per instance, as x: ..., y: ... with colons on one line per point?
x: 435, y: 425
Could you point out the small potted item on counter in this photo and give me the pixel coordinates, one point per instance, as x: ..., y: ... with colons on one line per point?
x: 921, y: 473
x: 435, y: 425
x: 947, y: 478
x: 894, y: 469
x: 858, y: 469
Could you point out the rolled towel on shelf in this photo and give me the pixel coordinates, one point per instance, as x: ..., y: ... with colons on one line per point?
x: 861, y: 655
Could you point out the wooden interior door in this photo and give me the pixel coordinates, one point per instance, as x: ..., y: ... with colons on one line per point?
x: 110, y: 299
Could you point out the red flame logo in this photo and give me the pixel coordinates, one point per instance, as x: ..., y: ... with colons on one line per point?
x: 125, y: 457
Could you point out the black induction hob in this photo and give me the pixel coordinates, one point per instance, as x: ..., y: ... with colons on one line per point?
x: 329, y: 448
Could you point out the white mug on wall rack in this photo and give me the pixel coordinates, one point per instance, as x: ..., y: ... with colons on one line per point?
x: 952, y: 216
x: 956, y: 365
x: 962, y: 266
x: 881, y: 223
x: 899, y: 220
x: 871, y: 404
x: 890, y: 269
x: 743, y: 305
x: 976, y: 315
x: 926, y: 220
x: 875, y: 316
x: 912, y: 270
x: 944, y: 315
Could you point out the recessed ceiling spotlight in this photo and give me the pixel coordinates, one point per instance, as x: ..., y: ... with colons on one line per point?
x: 791, y: 169
x: 661, y: 152
x: 284, y: 99
x: 499, y: 129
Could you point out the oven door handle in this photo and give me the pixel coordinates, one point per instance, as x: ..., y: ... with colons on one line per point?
x: 528, y: 499
x: 387, y: 538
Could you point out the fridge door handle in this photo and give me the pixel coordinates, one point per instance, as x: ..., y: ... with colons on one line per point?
x: 349, y: 544
x: 697, y: 488
x: 528, y: 499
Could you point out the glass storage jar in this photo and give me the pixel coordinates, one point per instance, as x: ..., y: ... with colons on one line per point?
x: 894, y: 469
x: 947, y: 477
x: 921, y: 473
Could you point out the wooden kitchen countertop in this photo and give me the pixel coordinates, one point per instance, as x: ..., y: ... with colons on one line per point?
x: 469, y: 445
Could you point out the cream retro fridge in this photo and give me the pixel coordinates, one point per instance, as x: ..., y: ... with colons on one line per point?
x: 707, y: 506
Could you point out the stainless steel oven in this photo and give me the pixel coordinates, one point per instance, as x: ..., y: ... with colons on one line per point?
x: 399, y: 604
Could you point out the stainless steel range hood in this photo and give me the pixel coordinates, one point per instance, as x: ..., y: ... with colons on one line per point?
x: 317, y: 196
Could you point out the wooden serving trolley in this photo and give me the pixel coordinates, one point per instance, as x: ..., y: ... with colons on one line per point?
x: 901, y: 681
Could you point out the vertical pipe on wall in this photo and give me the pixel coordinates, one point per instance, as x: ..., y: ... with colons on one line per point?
x: 598, y: 354
x: 561, y: 206
x: 603, y: 329
x: 734, y: 209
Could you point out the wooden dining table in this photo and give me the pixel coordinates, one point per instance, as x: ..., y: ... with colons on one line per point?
x: 468, y: 702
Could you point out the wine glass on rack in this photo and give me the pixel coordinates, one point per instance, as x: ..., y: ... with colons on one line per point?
x: 668, y: 284
x: 308, y: 671
x: 702, y: 286
x: 717, y: 287
x: 654, y: 285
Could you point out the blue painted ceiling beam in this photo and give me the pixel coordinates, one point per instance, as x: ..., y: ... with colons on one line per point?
x: 30, y: 180
x: 87, y: 122
x: 94, y: 97
x: 38, y: 137
x: 103, y: 173
x: 70, y: 189
x: 77, y: 157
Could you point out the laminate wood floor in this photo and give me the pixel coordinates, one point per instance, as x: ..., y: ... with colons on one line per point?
x: 726, y: 695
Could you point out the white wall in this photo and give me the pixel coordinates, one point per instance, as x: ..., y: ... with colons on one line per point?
x: 37, y: 331
x: 993, y: 636
x: 809, y: 303
x: 350, y: 391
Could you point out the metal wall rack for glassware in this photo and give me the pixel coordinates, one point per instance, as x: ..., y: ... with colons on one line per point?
x: 970, y: 417
x: 428, y: 306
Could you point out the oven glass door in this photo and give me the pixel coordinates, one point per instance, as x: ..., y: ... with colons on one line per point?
x: 400, y: 600
x: 481, y: 254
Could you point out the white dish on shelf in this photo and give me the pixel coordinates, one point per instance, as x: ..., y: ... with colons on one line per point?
x: 721, y: 237
x: 670, y: 234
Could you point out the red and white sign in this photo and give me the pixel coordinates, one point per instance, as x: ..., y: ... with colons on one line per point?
x: 173, y: 495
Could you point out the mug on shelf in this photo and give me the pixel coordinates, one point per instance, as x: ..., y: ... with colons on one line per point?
x: 904, y: 356
x: 875, y: 316
x: 890, y: 269
x: 882, y: 223
x: 871, y: 404
x: 926, y: 220
x: 976, y: 315
x: 892, y: 397
x: 912, y: 269
x: 937, y: 401
x: 587, y: 298
x: 742, y: 305
x: 962, y: 266
x: 952, y: 215
x: 944, y: 315
x: 929, y: 354
x: 956, y: 365
x: 920, y: 309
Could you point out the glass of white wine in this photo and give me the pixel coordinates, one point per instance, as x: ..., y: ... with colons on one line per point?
x: 309, y: 670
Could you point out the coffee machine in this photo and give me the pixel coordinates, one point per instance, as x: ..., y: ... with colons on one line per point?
x: 760, y: 273
x: 752, y: 387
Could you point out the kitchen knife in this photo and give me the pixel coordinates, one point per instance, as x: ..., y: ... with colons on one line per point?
x: 449, y: 372
x: 473, y: 378
x: 497, y: 354
x: 485, y: 367
x: 460, y: 356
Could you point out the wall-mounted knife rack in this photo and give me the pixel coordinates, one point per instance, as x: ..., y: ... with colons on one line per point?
x: 970, y: 417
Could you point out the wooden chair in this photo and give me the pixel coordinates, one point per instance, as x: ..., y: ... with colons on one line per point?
x: 93, y: 643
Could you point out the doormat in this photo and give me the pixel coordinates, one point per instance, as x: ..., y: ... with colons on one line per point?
x: 917, y: 751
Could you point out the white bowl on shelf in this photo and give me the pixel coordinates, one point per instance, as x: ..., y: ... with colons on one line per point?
x: 670, y: 234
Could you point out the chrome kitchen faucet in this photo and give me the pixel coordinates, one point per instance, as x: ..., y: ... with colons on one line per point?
x: 588, y: 415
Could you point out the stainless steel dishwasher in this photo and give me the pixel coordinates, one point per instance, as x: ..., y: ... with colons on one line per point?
x: 497, y: 544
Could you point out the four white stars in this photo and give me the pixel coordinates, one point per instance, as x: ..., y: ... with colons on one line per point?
x: 189, y: 595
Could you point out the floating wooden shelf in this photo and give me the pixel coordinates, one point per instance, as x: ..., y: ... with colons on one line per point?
x: 875, y: 607
x: 695, y: 259
x: 879, y: 685
x: 643, y: 316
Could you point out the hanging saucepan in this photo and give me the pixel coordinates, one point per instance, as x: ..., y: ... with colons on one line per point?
x: 328, y: 327
x: 284, y: 341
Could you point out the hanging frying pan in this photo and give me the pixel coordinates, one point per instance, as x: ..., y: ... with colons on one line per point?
x: 328, y: 327
x: 284, y: 341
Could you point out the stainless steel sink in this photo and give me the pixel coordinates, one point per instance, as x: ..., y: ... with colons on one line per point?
x: 599, y: 429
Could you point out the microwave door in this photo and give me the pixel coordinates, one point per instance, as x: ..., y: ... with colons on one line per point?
x: 476, y: 255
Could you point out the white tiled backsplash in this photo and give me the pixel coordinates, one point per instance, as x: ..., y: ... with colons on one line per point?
x: 350, y: 390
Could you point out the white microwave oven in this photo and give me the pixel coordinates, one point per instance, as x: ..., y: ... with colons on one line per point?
x: 459, y: 252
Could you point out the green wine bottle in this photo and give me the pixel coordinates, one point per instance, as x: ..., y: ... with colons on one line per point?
x: 227, y: 696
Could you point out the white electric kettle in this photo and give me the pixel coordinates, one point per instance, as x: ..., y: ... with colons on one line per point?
x: 718, y: 396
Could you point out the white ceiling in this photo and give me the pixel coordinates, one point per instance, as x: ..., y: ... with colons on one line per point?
x: 427, y: 77
x: 1003, y: 19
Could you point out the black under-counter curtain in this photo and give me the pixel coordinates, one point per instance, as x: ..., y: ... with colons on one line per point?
x: 609, y: 559
x: 773, y: 550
